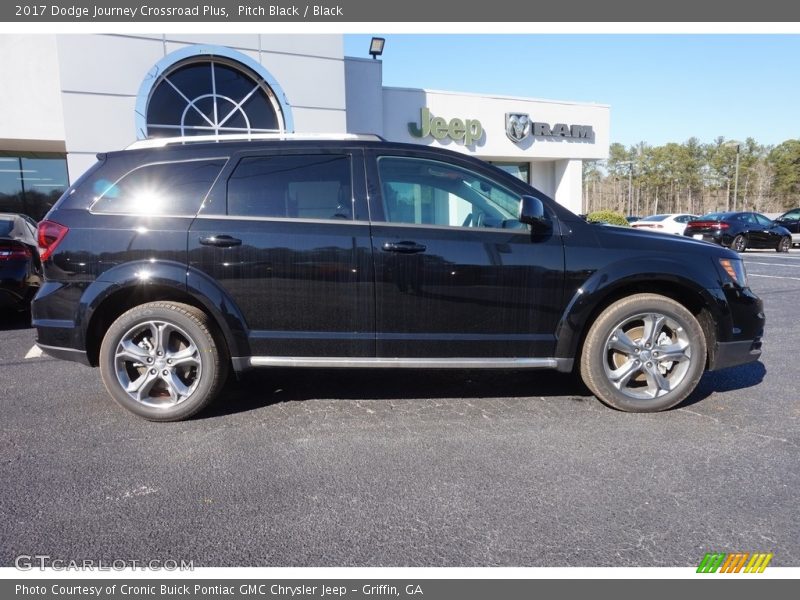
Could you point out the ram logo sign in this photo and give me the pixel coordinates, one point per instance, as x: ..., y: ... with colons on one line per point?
x: 738, y: 562
x: 519, y: 126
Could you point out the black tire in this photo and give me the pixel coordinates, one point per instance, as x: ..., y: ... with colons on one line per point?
x: 602, y: 362
x: 180, y: 382
x: 739, y: 243
x: 784, y: 244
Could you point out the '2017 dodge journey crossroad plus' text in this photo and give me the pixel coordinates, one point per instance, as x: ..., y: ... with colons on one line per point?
x: 174, y: 261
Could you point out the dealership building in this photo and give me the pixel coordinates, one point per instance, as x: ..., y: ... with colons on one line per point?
x: 67, y: 97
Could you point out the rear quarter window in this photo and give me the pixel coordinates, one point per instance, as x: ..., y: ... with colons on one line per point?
x: 172, y: 188
x: 6, y: 225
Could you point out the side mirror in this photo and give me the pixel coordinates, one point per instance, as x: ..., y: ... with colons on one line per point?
x: 531, y: 212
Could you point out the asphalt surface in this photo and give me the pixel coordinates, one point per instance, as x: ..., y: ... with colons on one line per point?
x: 366, y: 468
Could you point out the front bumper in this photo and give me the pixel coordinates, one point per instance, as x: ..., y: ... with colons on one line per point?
x: 739, y: 335
x: 732, y: 354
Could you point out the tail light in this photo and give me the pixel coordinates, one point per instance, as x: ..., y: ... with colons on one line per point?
x: 50, y: 235
x: 14, y: 251
x: 707, y: 225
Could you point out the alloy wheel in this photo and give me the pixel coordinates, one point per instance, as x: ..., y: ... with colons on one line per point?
x: 647, y: 356
x: 157, y: 364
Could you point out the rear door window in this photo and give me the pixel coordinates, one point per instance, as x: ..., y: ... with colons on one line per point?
x: 293, y: 186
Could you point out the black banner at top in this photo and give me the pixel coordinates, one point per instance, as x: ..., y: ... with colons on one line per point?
x: 343, y: 11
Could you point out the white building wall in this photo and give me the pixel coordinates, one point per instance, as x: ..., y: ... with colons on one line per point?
x: 543, y: 177
x: 77, y: 93
x: 568, y: 184
x: 31, y: 118
x: 100, y: 76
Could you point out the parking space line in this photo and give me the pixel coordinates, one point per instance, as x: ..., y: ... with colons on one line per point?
x: 775, y: 255
x: 772, y: 276
x: 752, y: 262
x: 34, y: 352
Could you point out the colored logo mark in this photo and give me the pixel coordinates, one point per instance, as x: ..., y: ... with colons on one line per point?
x: 734, y: 563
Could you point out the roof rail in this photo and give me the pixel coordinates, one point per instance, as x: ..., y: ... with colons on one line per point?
x: 197, y: 139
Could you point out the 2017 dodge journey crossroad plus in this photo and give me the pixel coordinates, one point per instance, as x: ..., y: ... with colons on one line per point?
x: 174, y: 261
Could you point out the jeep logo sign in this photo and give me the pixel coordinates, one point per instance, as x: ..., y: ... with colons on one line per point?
x: 467, y: 131
x: 519, y: 126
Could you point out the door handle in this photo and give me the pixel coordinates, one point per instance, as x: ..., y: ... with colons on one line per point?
x: 220, y: 241
x: 404, y: 247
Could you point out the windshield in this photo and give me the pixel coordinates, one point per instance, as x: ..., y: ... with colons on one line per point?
x: 655, y: 218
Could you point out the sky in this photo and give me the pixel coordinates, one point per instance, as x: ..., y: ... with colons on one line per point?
x: 661, y: 88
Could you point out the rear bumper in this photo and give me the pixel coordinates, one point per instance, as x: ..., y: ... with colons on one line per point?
x: 71, y: 354
x: 16, y: 294
x: 715, y: 237
x: 56, y: 316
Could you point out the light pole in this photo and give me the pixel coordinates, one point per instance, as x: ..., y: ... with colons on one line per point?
x: 737, y: 145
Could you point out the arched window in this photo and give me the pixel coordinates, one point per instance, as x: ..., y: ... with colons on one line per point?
x: 209, y: 94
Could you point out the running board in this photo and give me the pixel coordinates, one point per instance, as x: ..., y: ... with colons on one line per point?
x: 561, y: 364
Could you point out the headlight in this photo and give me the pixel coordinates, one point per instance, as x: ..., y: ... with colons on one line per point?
x: 734, y: 267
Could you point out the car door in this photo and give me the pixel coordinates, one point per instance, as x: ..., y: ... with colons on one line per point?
x: 791, y: 221
x: 285, y: 234
x: 746, y: 221
x: 456, y: 274
x: 764, y: 231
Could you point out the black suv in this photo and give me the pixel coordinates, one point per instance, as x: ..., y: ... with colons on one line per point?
x: 170, y: 263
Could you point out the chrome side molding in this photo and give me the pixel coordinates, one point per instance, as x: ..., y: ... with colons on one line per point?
x: 561, y: 364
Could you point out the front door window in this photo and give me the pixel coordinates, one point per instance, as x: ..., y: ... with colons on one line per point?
x: 428, y: 192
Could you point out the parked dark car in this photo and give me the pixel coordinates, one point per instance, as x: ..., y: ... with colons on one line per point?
x: 20, y: 267
x: 791, y: 221
x: 172, y: 262
x: 740, y: 231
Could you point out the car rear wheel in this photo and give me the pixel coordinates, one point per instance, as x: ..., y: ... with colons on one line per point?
x: 784, y: 244
x: 644, y: 353
x: 161, y: 361
x: 739, y: 243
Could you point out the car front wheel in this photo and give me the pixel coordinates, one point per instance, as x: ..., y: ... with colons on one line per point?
x: 784, y: 244
x: 161, y: 361
x: 644, y: 353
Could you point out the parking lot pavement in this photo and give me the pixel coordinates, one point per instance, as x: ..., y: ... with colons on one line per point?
x: 372, y: 468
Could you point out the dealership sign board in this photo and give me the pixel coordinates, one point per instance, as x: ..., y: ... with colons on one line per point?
x: 467, y: 131
x: 519, y: 126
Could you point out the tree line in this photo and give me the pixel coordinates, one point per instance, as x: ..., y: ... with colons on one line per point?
x: 694, y: 177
